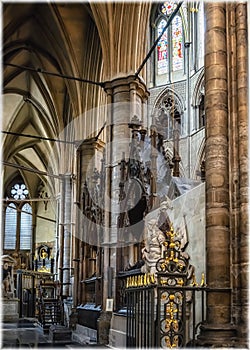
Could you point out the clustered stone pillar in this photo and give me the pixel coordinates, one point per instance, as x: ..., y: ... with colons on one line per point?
x: 126, y: 96
x: 89, y: 153
x: 218, y: 330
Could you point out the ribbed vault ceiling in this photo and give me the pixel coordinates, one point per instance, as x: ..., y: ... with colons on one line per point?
x: 55, y: 38
x: 93, y: 41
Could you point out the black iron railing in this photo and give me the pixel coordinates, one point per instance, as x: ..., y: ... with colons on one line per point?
x: 140, y: 317
x: 164, y: 316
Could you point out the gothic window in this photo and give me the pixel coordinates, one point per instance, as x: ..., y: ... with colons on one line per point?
x: 26, y: 227
x: 18, y: 219
x: 170, y: 53
x: 10, y: 226
x: 168, y: 117
x: 162, y: 49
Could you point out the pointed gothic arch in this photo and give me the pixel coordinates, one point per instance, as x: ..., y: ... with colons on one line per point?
x: 198, y: 102
x: 168, y: 111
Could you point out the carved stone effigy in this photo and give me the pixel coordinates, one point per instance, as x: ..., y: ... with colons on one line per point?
x: 8, y: 264
x: 9, y: 302
x: 154, y: 246
x: 163, y: 220
x: 156, y: 236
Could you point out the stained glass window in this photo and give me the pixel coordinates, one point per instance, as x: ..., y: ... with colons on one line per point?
x: 162, y: 48
x: 168, y: 7
x: 177, y: 42
x: 170, y: 52
x: 10, y: 227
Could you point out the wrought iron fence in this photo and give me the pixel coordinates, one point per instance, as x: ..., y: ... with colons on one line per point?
x: 157, y: 315
x: 141, y: 317
x: 166, y: 305
x: 164, y: 316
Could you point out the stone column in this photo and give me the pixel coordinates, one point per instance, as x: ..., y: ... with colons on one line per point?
x: 67, y: 236
x: 89, y: 153
x: 126, y: 96
x: 217, y: 331
x: 61, y: 233
x: 107, y: 215
x: 242, y: 91
x: 233, y: 159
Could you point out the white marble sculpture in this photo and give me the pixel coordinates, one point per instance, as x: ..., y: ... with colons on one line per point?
x: 154, y: 246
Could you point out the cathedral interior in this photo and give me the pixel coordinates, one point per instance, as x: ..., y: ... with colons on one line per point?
x: 125, y: 172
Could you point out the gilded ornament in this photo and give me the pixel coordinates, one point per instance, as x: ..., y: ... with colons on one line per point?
x: 203, y: 284
x: 194, y: 283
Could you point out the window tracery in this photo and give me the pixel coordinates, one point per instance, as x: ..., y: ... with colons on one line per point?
x: 168, y: 7
x: 19, y: 191
x: 168, y: 117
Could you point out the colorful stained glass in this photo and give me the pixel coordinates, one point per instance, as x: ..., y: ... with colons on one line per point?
x: 177, y: 41
x: 162, y: 48
x: 168, y: 7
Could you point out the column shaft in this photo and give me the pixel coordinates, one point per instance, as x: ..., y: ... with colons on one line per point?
x: 67, y: 237
x: 233, y: 158
x: 217, y: 191
x: 126, y: 96
x: 217, y: 330
x: 242, y: 90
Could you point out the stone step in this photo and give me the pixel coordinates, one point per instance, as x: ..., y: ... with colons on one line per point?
x: 84, y: 335
x: 80, y: 338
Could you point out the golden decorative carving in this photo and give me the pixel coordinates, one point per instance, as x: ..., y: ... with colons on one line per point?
x: 44, y: 269
x: 194, y: 282
x: 180, y: 281
x: 163, y: 282
x: 203, y: 284
x: 142, y: 280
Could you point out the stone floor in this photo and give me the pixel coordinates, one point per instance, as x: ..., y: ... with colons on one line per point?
x: 27, y: 333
